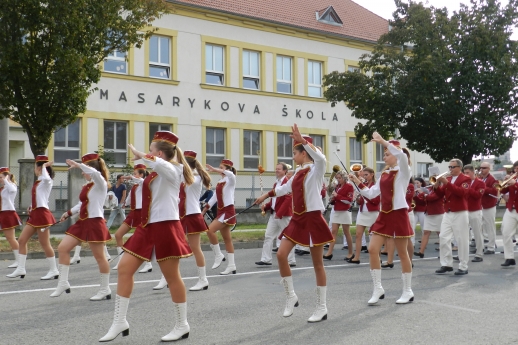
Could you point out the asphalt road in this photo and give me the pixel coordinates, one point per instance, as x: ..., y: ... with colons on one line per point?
x: 246, y: 308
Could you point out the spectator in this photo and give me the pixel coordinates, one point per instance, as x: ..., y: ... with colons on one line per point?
x: 119, y: 189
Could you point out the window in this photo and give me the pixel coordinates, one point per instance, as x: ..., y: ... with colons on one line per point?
x: 314, y: 79
x: 284, y: 148
x: 214, y: 146
x: 251, y: 149
x: 250, y: 70
x: 214, y: 65
x: 115, y: 62
x: 353, y: 69
x: 116, y: 142
x: 355, y: 151
x: 155, y: 127
x: 318, y: 140
x: 284, y: 73
x: 66, y: 143
x: 422, y: 169
x: 159, y: 57
x: 380, y: 151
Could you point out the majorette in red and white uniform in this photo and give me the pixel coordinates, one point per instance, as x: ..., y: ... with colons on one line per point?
x: 392, y: 186
x: 8, y: 217
x: 40, y: 215
x: 342, y: 203
x: 134, y: 199
x: 190, y: 212
x: 434, y: 210
x: 224, y: 195
x: 90, y: 227
x: 307, y: 226
x: 160, y: 229
x: 368, y: 209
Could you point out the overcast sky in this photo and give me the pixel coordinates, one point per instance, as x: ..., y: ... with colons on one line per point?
x: 385, y: 8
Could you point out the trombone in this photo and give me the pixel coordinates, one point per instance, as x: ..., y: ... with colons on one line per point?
x: 505, y: 183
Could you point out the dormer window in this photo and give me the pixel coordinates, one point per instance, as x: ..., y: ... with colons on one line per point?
x: 329, y: 16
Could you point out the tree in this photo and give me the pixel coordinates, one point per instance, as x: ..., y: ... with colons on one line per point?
x: 446, y: 84
x: 50, y: 53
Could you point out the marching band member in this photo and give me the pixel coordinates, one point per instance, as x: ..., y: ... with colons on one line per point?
x: 510, y: 219
x: 393, y: 221
x: 40, y: 218
x: 134, y: 199
x: 475, y: 193
x: 224, y: 196
x: 420, y: 203
x: 90, y: 227
x: 307, y: 226
x: 433, y: 217
x: 368, y: 211
x: 281, y: 211
x: 455, y: 189
x: 9, y: 219
x: 342, y: 199
x: 159, y: 234
x: 489, y: 201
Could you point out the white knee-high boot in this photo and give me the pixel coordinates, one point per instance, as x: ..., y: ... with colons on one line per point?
x: 378, y: 292
x: 53, y: 270
x: 291, y: 298
x: 320, y: 312
x: 20, y: 270
x: 63, y: 285
x: 120, y: 324
x: 181, y: 328
x: 104, y: 291
x: 231, y: 267
x: 218, y: 256
x: 15, y: 263
x: 161, y: 284
x: 106, y: 253
x: 408, y: 294
x: 120, y: 252
x: 203, y: 283
x: 148, y: 267
x: 76, y: 258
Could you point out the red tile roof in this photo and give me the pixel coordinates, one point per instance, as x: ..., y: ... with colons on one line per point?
x: 358, y: 22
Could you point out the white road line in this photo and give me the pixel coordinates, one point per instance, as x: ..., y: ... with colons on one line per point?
x: 449, y: 306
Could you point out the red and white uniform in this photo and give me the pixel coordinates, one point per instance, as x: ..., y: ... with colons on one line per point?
x: 307, y: 226
x: 410, y: 191
x: 90, y: 227
x: 489, y: 200
x: 342, y: 203
x: 134, y: 199
x: 434, y: 211
x: 475, y: 193
x: 510, y: 220
x: 190, y: 212
x: 40, y: 215
x: 419, y: 210
x: 393, y: 220
x: 368, y: 209
x: 8, y: 217
x: 160, y: 229
x: 456, y: 220
x: 224, y: 196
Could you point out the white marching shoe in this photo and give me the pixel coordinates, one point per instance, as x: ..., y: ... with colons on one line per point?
x: 53, y: 270
x: 106, y: 253
x: 104, y: 291
x: 15, y: 263
x: 231, y: 267
x: 120, y: 324
x: 378, y: 292
x: 161, y: 284
x: 76, y: 258
x: 320, y: 312
x: 120, y: 252
x: 63, y: 285
x: 181, y: 327
x: 291, y: 298
x: 203, y: 283
x: 218, y: 256
x: 147, y: 267
x: 20, y: 270
x: 408, y: 294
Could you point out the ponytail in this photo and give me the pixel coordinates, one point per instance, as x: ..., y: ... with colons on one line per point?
x: 187, y: 172
x: 11, y: 176
x: 234, y: 171
x: 100, y: 166
x: 405, y: 150
x: 143, y: 172
x: 205, y: 177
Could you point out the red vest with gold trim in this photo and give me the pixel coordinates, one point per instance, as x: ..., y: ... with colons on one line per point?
x: 33, y: 193
x: 181, y: 205
x: 1, y: 189
x: 133, y: 200
x: 147, y: 198
x: 388, y: 179
x: 83, y: 197
x: 298, y: 191
x: 219, y: 194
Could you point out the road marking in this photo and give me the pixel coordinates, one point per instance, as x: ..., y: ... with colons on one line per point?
x: 449, y: 306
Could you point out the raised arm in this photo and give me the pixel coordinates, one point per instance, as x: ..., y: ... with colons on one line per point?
x: 171, y: 172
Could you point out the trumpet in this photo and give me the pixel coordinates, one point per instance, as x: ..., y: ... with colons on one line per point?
x: 505, y: 183
x: 336, y: 169
x: 433, y: 179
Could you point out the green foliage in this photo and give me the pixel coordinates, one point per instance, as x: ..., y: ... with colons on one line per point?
x: 110, y: 163
x: 446, y: 84
x: 50, y: 53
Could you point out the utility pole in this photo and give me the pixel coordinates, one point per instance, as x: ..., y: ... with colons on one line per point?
x: 4, y: 142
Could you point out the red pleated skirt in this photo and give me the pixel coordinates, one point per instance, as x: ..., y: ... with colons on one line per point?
x: 133, y: 218
x: 41, y: 217
x: 227, y: 212
x: 90, y: 230
x: 394, y: 224
x: 167, y: 238
x: 9, y: 220
x: 194, y: 224
x: 308, y: 229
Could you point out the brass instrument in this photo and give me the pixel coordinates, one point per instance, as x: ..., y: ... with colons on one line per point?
x: 505, y: 183
x: 433, y: 179
x: 336, y: 169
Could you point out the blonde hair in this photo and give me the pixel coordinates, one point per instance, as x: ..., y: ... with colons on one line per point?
x: 100, y: 166
x: 195, y: 164
x: 187, y: 172
x: 371, y: 171
x: 11, y: 176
